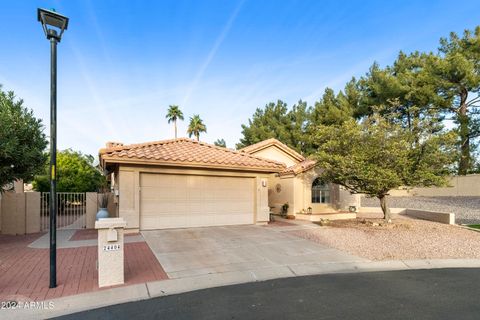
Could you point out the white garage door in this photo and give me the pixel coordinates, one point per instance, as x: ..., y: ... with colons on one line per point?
x: 178, y: 201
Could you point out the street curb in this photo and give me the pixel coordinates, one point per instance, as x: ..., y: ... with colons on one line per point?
x: 81, y: 302
x: 137, y: 292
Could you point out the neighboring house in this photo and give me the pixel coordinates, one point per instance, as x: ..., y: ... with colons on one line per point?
x: 184, y: 183
x: 299, y: 184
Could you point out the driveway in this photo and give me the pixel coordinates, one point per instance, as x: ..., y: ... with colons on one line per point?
x: 199, y: 251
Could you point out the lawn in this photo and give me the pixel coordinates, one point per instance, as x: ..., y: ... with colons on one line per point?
x: 475, y: 226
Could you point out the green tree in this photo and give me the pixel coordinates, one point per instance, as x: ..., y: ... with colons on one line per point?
x: 22, y: 141
x: 196, y: 126
x: 409, y: 83
x: 299, y: 118
x: 377, y: 154
x: 276, y: 121
x: 331, y: 109
x: 220, y: 143
x: 269, y: 122
x: 457, y: 71
x: 75, y: 171
x: 439, y: 86
x: 173, y: 114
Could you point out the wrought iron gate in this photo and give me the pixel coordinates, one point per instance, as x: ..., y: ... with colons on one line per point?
x: 71, y: 210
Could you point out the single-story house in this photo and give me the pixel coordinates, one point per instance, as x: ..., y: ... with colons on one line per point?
x: 185, y: 183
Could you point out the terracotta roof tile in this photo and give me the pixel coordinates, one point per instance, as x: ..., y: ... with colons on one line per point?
x: 187, y: 152
x: 299, y: 167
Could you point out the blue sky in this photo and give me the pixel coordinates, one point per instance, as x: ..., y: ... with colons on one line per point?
x: 121, y: 63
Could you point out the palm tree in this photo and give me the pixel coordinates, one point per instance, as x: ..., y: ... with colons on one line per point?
x: 196, y: 126
x: 174, y: 113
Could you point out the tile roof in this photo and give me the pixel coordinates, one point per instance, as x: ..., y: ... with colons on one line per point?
x: 299, y: 167
x: 186, y: 152
x: 272, y: 142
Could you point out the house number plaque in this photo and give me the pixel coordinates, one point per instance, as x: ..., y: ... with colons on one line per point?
x: 111, y: 247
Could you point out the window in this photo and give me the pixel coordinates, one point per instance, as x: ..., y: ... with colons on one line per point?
x: 320, y: 191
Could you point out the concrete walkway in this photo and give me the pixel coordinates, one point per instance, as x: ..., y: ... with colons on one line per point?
x: 63, y: 240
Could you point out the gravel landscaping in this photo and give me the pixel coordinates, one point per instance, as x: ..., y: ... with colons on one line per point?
x: 404, y: 239
x: 466, y: 209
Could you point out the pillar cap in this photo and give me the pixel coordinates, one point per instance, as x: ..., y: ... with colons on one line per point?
x: 107, y: 223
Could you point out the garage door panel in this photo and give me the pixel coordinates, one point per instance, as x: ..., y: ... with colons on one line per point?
x: 174, y: 201
x: 152, y: 208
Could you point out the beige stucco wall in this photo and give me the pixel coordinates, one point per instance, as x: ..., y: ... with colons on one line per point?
x: 20, y: 213
x: 129, y: 189
x: 13, y: 213
x: 287, y: 194
x: 459, y: 186
x: 262, y: 211
x: 297, y: 191
x: 111, y: 263
x: 303, y: 193
x: 129, y: 198
x: 91, y: 209
x: 32, y: 212
x: 274, y: 153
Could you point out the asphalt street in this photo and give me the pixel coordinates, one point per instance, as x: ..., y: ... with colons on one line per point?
x: 413, y: 294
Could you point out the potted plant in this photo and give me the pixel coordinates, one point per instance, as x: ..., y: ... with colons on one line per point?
x: 309, y: 210
x: 102, y: 204
x: 285, y: 209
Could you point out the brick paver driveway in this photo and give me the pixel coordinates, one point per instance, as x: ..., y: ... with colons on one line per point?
x: 24, y: 270
x: 197, y: 251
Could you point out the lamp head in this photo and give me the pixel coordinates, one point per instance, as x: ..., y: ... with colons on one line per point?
x: 53, y: 24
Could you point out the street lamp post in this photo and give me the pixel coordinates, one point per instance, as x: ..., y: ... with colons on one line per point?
x: 53, y: 25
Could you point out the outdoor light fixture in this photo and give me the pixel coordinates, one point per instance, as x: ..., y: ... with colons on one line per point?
x: 53, y: 25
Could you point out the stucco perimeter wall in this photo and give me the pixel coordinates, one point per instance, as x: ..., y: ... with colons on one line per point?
x: 442, y: 217
x: 20, y: 213
x: 458, y: 186
x: 129, y: 189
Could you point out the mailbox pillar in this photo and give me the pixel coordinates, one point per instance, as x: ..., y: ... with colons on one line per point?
x: 110, y: 251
